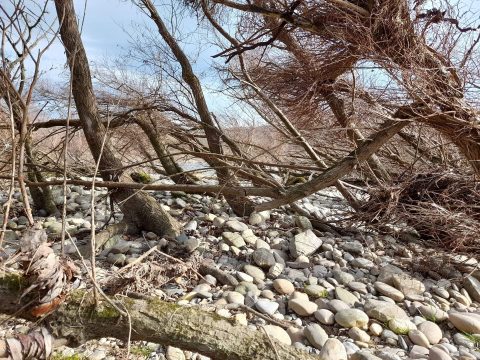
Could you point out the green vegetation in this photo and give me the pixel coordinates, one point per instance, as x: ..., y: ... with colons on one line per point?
x: 68, y: 357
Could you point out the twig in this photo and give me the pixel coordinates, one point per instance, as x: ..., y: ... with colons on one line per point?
x: 137, y: 260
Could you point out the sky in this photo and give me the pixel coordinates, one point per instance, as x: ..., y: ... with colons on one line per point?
x: 105, y: 35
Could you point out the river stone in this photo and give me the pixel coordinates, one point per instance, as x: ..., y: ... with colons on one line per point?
x: 418, y: 352
x: 358, y: 335
x: 401, y: 326
x: 333, y: 349
x: 234, y: 297
x: 384, y: 311
x: 283, y: 286
x: 432, y: 313
x: 364, y: 355
x: 472, y: 285
x: 303, y: 223
x: 305, y: 243
x: 316, y: 291
x: 302, y: 307
x: 236, y: 225
x: 255, y: 219
x: 266, y: 306
x: 254, y: 272
x: 407, y: 284
x: 336, y: 305
x: 419, y: 338
x: 349, y: 318
x: 324, y: 316
x: 389, y: 291
x: 249, y: 237
x: 432, y: 331
x: 387, y: 272
x: 263, y: 258
x: 466, y: 322
x: 354, y: 247
x: 278, y: 333
x: 174, y: 353
x: 233, y: 239
x: 438, y: 354
x: 345, y: 295
x: 342, y: 277
x: 315, y: 335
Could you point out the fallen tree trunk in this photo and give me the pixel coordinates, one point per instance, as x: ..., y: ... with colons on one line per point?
x: 342, y: 168
x: 157, y: 321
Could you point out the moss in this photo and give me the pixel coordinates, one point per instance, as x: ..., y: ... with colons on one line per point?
x: 12, y: 281
x: 107, y: 311
x: 68, y: 357
x: 141, y: 177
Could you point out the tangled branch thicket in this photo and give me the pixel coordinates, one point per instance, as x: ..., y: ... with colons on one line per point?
x: 442, y: 207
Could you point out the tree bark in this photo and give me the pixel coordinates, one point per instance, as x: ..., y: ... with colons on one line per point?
x: 139, y: 208
x: 241, y: 205
x: 330, y: 176
x: 152, y: 320
x: 172, y: 169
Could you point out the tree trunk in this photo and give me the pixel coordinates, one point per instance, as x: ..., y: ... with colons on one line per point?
x: 139, y: 208
x: 152, y: 320
x: 241, y: 205
x: 173, y: 170
x: 42, y: 196
x: 337, y: 171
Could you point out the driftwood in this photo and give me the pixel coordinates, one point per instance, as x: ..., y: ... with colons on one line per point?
x: 157, y: 321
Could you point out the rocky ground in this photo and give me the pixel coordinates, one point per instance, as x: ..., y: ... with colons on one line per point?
x: 360, y: 296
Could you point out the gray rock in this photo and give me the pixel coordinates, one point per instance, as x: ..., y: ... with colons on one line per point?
x: 364, y: 355
x: 254, y: 272
x: 386, y: 273
x: 302, y: 307
x: 255, y: 219
x: 116, y: 259
x: 263, y: 258
x: 349, y: 318
x: 432, y: 331
x: 466, y: 322
x: 191, y: 244
x: 333, y: 349
x: 472, y: 285
x: 342, y: 277
x: 345, y: 295
x: 305, y: 243
x: 358, y: 335
x: 384, y: 311
x: 407, y: 284
x: 283, y: 286
x: 316, y: 335
x: 278, y: 333
x: 324, y: 316
x: 438, y: 354
x: 174, y: 353
x: 354, y: 247
x: 389, y: 291
x: 249, y: 237
x: 432, y: 313
x: 418, y: 352
x: 266, y: 306
x: 236, y: 225
x: 303, y: 223
x: 233, y: 239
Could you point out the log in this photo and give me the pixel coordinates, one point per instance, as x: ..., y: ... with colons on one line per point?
x: 337, y: 171
x: 153, y: 320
